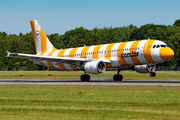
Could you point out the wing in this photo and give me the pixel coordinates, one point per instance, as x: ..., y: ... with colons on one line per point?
x: 39, y: 58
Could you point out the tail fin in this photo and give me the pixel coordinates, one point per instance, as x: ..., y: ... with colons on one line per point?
x: 41, y: 41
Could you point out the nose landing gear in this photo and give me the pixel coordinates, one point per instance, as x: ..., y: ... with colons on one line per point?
x: 152, y: 74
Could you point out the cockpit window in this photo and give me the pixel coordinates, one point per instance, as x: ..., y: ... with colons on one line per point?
x: 154, y: 46
x: 158, y: 46
x: 163, y: 45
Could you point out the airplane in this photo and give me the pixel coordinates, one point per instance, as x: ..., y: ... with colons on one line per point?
x: 141, y: 55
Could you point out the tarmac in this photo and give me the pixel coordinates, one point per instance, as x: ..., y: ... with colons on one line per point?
x: 99, y: 81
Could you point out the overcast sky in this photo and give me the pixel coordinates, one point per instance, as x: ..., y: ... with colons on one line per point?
x: 59, y: 16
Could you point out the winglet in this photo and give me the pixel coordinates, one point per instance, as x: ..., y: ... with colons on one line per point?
x: 8, y: 53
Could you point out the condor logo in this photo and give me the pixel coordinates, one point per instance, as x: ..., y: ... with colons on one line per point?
x: 133, y: 54
x: 37, y: 35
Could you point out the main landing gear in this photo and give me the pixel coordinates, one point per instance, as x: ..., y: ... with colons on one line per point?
x: 118, y: 77
x: 85, y: 77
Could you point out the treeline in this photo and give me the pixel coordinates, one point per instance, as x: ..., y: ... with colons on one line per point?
x: 24, y: 43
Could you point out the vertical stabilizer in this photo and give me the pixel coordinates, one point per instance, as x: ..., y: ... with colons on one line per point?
x: 41, y: 41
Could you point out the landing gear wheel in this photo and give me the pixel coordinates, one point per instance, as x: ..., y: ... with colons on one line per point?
x: 152, y: 74
x: 118, y: 77
x: 85, y: 77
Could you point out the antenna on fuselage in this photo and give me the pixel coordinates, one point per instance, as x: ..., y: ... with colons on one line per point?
x: 148, y: 38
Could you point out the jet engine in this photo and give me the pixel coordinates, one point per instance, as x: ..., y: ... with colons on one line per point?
x: 95, y: 67
x: 145, y: 68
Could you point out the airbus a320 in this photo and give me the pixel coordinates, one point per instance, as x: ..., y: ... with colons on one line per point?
x: 142, y: 55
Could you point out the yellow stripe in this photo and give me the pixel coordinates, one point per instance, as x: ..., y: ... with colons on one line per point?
x: 50, y: 54
x: 84, y: 50
x: 72, y: 52
x: 147, y: 56
x: 31, y: 60
x: 108, y: 54
x: 33, y: 32
x: 61, y: 65
x: 109, y: 48
x: 53, y: 50
x: 60, y: 54
x: 43, y: 42
x: 121, y: 60
x: 41, y: 63
x: 51, y: 64
x: 133, y: 50
x: 109, y: 65
x: 96, y: 52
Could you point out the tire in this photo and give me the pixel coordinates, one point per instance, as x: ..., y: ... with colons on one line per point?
x: 152, y: 74
x: 87, y: 77
x: 83, y: 78
x: 118, y: 78
x: 115, y: 77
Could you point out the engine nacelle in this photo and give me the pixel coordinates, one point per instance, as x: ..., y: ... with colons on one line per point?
x: 95, y: 67
x: 145, y: 68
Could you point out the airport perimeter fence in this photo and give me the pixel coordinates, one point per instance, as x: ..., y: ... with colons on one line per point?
x: 23, y: 68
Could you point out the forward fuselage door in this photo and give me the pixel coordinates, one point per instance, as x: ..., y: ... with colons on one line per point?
x: 143, y: 47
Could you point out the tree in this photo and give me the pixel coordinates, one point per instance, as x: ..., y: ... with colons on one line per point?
x: 177, y: 23
x: 174, y: 43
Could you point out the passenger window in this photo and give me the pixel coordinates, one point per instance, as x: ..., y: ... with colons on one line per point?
x: 154, y: 46
x: 158, y: 46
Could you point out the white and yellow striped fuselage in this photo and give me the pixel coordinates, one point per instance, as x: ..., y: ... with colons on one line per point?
x: 120, y: 54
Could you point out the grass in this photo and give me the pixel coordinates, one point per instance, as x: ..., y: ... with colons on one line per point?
x: 23, y: 102
x: 128, y: 75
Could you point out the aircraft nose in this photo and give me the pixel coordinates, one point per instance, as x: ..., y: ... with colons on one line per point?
x: 166, y: 53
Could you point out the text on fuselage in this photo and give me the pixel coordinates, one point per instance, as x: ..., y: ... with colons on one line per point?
x: 133, y: 54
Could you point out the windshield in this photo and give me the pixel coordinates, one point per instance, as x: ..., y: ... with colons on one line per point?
x: 158, y: 46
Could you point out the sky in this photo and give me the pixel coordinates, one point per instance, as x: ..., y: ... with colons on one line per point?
x: 59, y: 16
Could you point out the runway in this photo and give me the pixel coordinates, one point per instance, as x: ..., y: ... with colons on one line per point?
x: 91, y: 82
